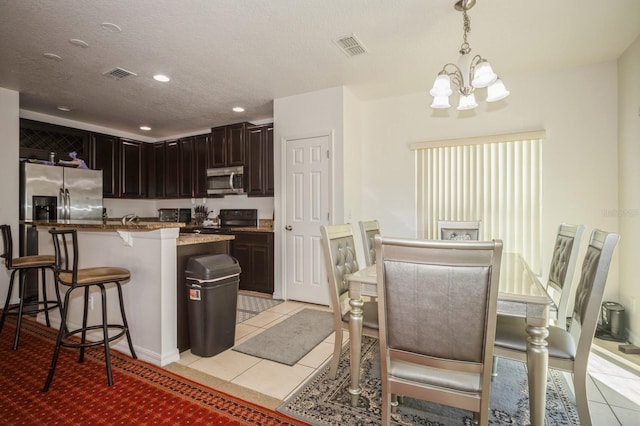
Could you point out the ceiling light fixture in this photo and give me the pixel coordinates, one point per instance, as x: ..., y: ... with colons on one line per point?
x: 79, y: 43
x: 52, y: 56
x: 238, y: 109
x: 161, y: 77
x: 145, y: 128
x: 468, y: 75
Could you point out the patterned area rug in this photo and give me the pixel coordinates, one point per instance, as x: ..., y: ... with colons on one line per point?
x: 142, y: 394
x: 323, y: 401
x: 249, y: 306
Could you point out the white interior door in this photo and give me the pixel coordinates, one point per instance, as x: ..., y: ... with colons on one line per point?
x: 307, y: 207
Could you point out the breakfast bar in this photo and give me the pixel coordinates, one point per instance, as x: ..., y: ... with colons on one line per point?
x: 150, y: 251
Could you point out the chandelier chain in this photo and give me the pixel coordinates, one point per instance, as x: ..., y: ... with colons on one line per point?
x: 466, y: 25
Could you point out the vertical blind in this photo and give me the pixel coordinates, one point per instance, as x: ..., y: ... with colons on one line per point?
x: 495, y: 179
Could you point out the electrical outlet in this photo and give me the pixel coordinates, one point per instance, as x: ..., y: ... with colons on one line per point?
x: 91, y: 302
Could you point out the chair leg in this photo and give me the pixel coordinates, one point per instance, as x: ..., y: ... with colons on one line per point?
x: 56, y: 350
x: 124, y: 321
x: 105, y: 331
x: 582, y: 403
x: 386, y: 404
x: 22, y: 289
x: 8, y: 301
x: 335, y: 359
x: 494, y: 368
x: 45, y: 301
x: 83, y: 338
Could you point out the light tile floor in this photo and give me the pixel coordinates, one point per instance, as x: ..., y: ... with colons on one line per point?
x: 614, y: 389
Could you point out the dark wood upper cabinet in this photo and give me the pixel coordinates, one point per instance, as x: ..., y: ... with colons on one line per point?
x: 133, y: 172
x: 171, y: 176
x: 186, y: 157
x: 106, y: 157
x: 202, y: 144
x: 227, y: 145
x: 156, y: 170
x: 259, y: 161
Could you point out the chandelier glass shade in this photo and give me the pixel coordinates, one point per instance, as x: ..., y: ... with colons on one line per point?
x: 468, y: 74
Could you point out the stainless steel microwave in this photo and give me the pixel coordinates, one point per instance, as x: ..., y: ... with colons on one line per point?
x: 225, y: 180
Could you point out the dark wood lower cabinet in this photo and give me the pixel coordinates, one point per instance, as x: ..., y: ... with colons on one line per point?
x: 254, y: 251
x: 184, y: 253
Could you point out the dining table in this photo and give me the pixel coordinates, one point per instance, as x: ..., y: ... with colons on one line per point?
x: 520, y: 294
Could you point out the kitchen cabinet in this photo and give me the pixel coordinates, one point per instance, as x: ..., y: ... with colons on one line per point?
x: 106, y: 158
x: 123, y: 164
x: 156, y: 171
x: 132, y: 169
x: 186, y: 160
x: 171, y: 170
x: 227, y: 146
x: 259, y: 161
x: 254, y: 252
x: 38, y: 140
x: 202, y: 145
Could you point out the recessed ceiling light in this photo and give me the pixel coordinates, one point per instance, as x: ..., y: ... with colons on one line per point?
x: 53, y: 56
x: 111, y: 27
x: 64, y: 108
x: 146, y: 128
x: 238, y: 109
x: 78, y: 42
x: 161, y: 77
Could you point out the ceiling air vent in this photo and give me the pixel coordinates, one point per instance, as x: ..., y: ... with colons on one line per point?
x: 119, y: 73
x: 350, y: 45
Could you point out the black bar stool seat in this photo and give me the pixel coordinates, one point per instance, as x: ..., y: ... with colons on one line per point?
x: 67, y: 273
x: 22, y: 265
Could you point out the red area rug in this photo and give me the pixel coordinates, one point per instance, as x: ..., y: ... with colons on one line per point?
x: 142, y: 394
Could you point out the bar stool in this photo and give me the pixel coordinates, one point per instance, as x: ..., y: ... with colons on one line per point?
x: 23, y: 265
x: 65, y: 244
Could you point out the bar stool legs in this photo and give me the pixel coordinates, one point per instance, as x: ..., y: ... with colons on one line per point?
x: 47, y: 304
x: 64, y: 334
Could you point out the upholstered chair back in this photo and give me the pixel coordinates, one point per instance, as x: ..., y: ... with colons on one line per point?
x: 459, y: 230
x: 437, y: 304
x: 368, y: 230
x: 562, y: 267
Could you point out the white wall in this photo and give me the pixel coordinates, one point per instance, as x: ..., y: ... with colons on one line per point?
x: 299, y: 116
x: 9, y: 140
x: 629, y: 181
x: 578, y: 109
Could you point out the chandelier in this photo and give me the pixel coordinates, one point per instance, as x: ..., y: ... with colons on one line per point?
x: 468, y: 75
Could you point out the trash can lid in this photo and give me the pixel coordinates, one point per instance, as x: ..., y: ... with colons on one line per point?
x: 211, y: 266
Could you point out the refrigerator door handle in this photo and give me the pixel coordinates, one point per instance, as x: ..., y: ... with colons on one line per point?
x: 62, y: 204
x: 68, y: 203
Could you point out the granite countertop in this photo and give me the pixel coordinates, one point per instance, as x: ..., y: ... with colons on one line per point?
x: 188, y: 239
x: 99, y: 225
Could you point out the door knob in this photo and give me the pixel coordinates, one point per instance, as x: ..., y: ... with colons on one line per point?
x: 288, y: 228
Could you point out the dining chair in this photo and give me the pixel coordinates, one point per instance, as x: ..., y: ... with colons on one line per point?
x: 67, y: 273
x: 22, y: 265
x: 569, y: 350
x: 368, y: 230
x: 340, y: 260
x: 437, y: 304
x: 459, y: 230
x: 559, y: 280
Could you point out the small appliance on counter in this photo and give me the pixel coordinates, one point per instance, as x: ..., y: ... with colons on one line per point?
x: 228, y: 219
x: 174, y: 215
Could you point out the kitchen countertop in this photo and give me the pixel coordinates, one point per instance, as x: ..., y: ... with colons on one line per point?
x: 109, y: 225
x: 188, y: 239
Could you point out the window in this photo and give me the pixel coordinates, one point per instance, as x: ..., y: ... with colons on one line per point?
x: 495, y: 179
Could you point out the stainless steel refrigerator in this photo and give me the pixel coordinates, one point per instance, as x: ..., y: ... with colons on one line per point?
x: 60, y: 193
x: 54, y: 193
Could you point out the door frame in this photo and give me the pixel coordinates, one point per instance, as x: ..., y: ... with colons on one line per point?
x: 330, y: 134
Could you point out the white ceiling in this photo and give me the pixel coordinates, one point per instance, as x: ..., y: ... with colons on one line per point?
x: 223, y: 53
